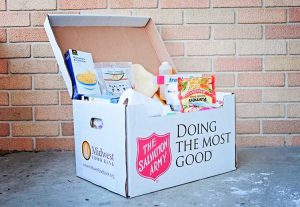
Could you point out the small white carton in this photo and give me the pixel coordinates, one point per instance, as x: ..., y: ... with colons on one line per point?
x: 121, y: 147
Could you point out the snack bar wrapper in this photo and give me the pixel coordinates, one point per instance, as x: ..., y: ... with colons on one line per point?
x: 197, y: 93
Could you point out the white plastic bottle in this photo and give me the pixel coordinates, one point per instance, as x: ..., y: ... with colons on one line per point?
x: 164, y: 69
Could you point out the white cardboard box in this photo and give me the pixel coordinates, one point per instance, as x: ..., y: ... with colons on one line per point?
x: 120, y: 147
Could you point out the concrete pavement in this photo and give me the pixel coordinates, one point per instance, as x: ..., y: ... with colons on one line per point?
x: 265, y: 177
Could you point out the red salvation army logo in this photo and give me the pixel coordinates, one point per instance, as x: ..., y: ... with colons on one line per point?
x: 153, y: 155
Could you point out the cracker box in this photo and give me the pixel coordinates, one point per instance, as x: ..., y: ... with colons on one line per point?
x: 122, y: 148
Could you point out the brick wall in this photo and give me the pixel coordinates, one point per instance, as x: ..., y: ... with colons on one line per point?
x: 252, y: 46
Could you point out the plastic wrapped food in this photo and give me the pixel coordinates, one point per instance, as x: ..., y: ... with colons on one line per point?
x: 196, y: 93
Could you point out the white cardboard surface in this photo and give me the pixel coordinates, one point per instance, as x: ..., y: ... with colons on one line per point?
x: 123, y: 126
x: 63, y: 20
x: 110, y: 174
x: 223, y: 155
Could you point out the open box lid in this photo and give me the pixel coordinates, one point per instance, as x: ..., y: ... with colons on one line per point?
x: 108, y: 38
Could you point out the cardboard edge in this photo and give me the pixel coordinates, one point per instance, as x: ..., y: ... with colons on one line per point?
x: 62, y: 20
x: 235, y: 148
x: 58, y: 55
x: 126, y: 155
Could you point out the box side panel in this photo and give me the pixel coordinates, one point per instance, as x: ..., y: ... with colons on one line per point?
x: 99, y: 131
x: 201, y: 144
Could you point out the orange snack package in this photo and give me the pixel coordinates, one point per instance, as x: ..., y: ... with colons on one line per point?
x: 196, y: 93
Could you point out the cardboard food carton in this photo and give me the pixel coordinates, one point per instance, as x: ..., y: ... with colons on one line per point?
x: 121, y: 147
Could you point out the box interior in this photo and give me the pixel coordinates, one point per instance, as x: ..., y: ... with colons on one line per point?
x: 113, y: 44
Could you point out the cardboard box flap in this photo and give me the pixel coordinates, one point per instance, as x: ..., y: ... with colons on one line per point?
x: 108, y: 38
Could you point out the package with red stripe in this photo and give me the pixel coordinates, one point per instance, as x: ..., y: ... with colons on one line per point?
x: 197, y: 93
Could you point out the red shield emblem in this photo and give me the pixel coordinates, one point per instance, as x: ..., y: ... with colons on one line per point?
x: 153, y: 155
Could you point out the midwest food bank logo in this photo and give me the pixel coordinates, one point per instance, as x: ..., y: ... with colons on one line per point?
x: 86, y: 150
x: 153, y: 155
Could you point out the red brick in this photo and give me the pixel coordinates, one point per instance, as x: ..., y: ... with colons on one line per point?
x: 192, y: 64
x: 242, y: 31
x: 45, y: 144
x: 3, y: 37
x: 261, y: 16
x: 3, y: 66
x: 42, y: 50
x: 14, y: 19
x: 38, y: 18
x: 184, y: 4
x: 260, y: 141
x: 258, y: 110
x: 260, y: 79
x: 14, y: 50
x: 247, y: 127
x: 294, y: 14
x: 293, y: 79
x: 4, y: 130
x: 65, y: 98
x: 29, y: 98
x: 284, y: 3
x: 294, y: 47
x: 282, y: 63
x: 35, y: 129
x: 161, y: 16
x: 4, y: 101
x: 281, y: 126
x: 67, y: 129
x: 2, y: 4
x: 15, y: 82
x: 204, y: 47
x: 175, y: 48
x: 293, y: 141
x: 27, y: 35
x: 185, y: 32
x: 79, y: 4
x: 49, y: 82
x: 18, y: 144
x: 244, y: 95
x: 207, y: 16
x: 293, y: 110
x: 234, y: 64
x: 16, y: 114
x: 282, y: 32
x: 24, y: 66
x: 53, y: 113
x: 236, y: 3
x: 261, y: 47
x: 127, y: 4
x: 31, y: 5
x: 281, y: 95
x: 224, y: 80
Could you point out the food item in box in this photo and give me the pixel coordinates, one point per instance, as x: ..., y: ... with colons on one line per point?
x: 81, y: 69
x: 196, y: 93
x: 114, y: 77
x: 143, y: 81
x: 164, y: 69
x: 171, y: 87
x: 156, y: 97
x: 87, y: 77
